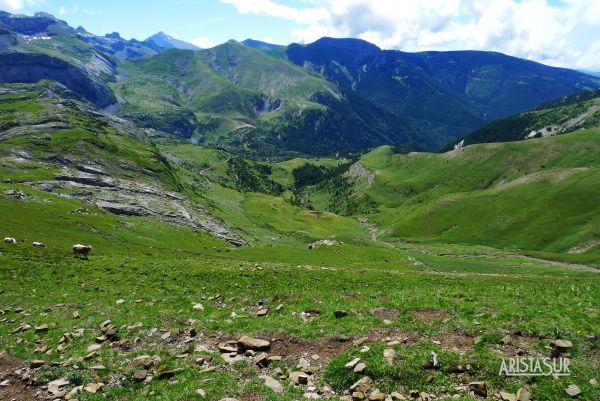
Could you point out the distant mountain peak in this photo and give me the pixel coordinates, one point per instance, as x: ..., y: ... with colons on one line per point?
x: 261, y: 45
x: 162, y: 41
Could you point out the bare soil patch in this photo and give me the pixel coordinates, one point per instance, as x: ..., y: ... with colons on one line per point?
x: 385, y: 313
x: 429, y: 315
x: 16, y: 390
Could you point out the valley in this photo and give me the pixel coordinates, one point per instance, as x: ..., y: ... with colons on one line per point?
x: 324, y: 221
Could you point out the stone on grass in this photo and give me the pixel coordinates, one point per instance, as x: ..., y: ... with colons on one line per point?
x: 93, y: 387
x: 140, y: 375
x: 504, y: 396
x: 56, y: 387
x: 41, y: 328
x: 273, y: 384
x: 396, y: 396
x: 198, y: 307
x: 506, y: 340
x: 36, y: 363
x: 377, y: 395
x: 228, y: 347
x: 360, y: 367
x: 298, y: 377
x: 523, y: 394
x: 573, y: 390
x: 254, y: 344
x: 360, y: 341
x: 94, y: 347
x: 388, y: 355
x: 362, y: 385
x: 352, y: 364
x: 562, y: 345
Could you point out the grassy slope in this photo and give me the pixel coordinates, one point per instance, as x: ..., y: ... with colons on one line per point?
x: 159, y: 270
x: 537, y: 194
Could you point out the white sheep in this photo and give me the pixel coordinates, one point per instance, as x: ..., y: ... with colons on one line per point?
x: 81, y: 250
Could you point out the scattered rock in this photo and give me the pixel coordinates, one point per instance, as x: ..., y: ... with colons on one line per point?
x: 377, y: 395
x: 388, y: 355
x: 93, y: 387
x: 506, y: 340
x: 397, y: 396
x: 42, y: 328
x: 273, y: 384
x: 362, y: 385
x: 76, y: 315
x: 120, y: 301
x: 94, y: 347
x: 360, y: 341
x: 507, y: 396
x: 228, y: 347
x: 573, y: 390
x: 352, y: 364
x: 201, y: 392
x: 56, y: 387
x: 298, y: 377
x: 359, y: 368
x: 311, y: 395
x: 593, y: 382
x: 140, y: 375
x: 198, y: 307
x: 36, y: 363
x: 478, y: 388
x: 561, y: 346
x: 254, y: 344
x: 523, y: 394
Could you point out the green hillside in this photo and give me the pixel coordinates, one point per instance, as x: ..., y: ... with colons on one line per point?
x: 537, y: 195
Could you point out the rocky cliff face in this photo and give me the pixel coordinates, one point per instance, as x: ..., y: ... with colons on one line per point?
x: 31, y: 68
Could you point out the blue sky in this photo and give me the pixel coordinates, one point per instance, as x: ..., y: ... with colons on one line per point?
x: 556, y: 32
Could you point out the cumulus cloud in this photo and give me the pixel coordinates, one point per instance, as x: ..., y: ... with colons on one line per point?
x: 204, y: 42
x: 563, y: 33
x: 17, y: 5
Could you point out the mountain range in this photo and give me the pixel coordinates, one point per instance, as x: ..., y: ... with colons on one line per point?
x: 266, y: 101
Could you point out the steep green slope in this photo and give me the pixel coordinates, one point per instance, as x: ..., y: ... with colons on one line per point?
x: 244, y: 100
x: 568, y: 114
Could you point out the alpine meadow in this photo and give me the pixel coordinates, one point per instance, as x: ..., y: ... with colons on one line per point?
x: 325, y: 220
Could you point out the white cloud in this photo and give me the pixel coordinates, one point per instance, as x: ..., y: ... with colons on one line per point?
x: 17, y: 5
x: 90, y: 12
x: 564, y: 33
x: 204, y: 42
x: 62, y: 10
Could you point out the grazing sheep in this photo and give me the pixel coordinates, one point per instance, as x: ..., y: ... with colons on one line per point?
x: 38, y: 244
x: 81, y: 250
x: 9, y: 240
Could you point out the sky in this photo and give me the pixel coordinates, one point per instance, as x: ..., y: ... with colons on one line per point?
x: 563, y: 33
